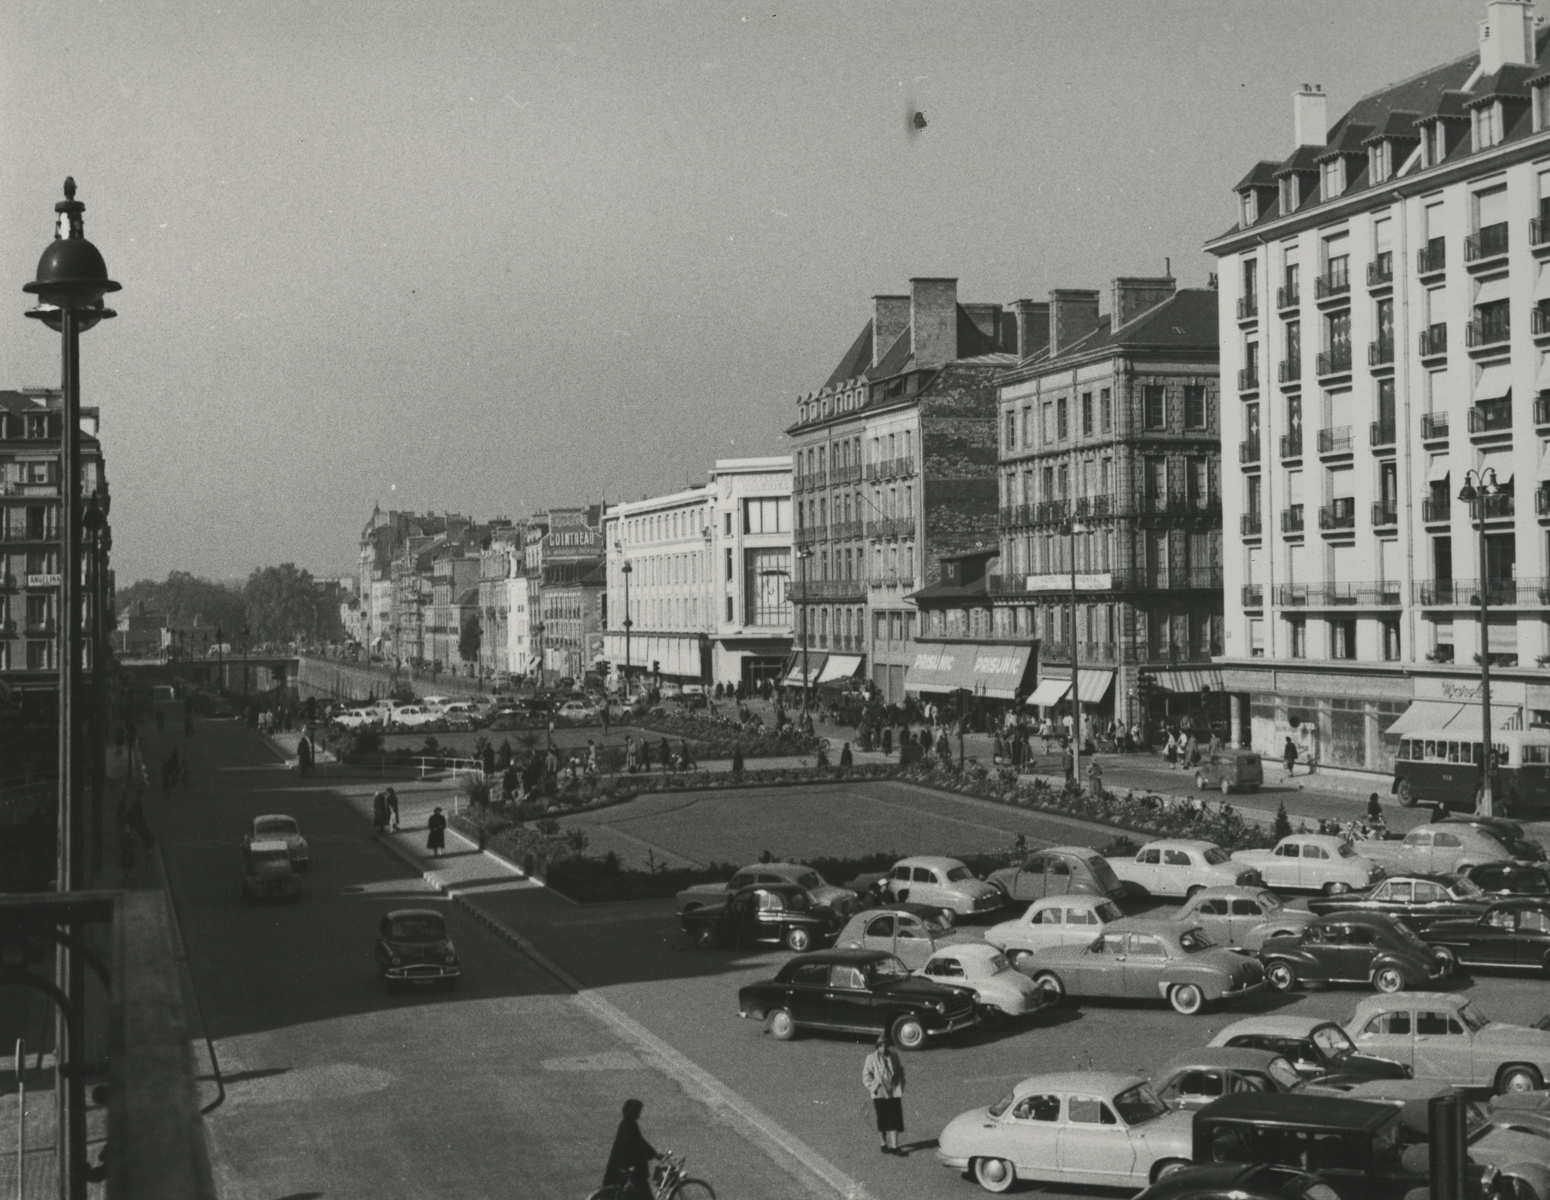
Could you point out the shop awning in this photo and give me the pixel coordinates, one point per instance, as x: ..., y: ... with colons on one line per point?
x: 1050, y: 691
x: 1000, y: 671
x: 815, y: 665
x: 938, y: 669
x: 1093, y: 686
x: 1423, y: 715
x: 840, y: 666
x: 1191, y: 679
x: 1466, y: 722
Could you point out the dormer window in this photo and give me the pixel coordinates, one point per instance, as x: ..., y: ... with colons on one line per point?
x: 1248, y: 207
x: 1332, y: 178
x: 1434, y: 143
x: 1541, y: 97
x: 1380, y: 161
x: 1486, y: 125
x: 1289, y: 194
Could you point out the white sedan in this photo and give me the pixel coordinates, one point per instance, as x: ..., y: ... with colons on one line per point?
x: 999, y: 991
x: 1312, y: 862
x: 412, y: 716
x: 1053, y: 921
x: 1182, y: 867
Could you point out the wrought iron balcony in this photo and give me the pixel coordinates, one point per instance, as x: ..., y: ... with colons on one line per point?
x: 1380, y: 272
x: 1291, y: 519
x: 1288, y: 297
x: 1491, y: 416
x: 1383, y: 515
x: 1542, y: 408
x: 1542, y: 500
x: 1334, y: 362
x: 1466, y: 592
x: 1479, y: 334
x: 1539, y: 320
x: 1249, y: 524
x: 1382, y: 433
x: 1434, y: 340
x: 1435, y: 508
x: 828, y: 589
x: 1496, y: 507
x: 1434, y: 426
x: 1014, y: 515
x: 1291, y: 445
x: 1253, y: 595
x: 1381, y: 352
x: 1289, y: 369
x: 1337, y: 440
x: 1334, y: 282
x: 1538, y: 232
x: 1432, y: 257
x: 1379, y: 594
x: 1248, y: 379
x: 1094, y: 506
x: 1248, y: 308
x: 1341, y: 514
x: 1490, y: 242
x: 1248, y: 450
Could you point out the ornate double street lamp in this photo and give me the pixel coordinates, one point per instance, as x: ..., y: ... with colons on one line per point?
x: 802, y: 556
x: 1072, y: 528
x: 1480, y: 488
x: 626, y: 570
x: 71, y: 282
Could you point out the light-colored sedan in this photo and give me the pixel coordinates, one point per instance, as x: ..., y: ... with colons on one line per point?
x: 277, y: 827
x: 1080, y: 1127
x: 413, y: 716
x: 1312, y: 862
x: 1242, y: 917
x: 999, y: 991
x: 942, y: 883
x: 1445, y: 1036
x: 1182, y: 867
x: 910, y: 932
x: 1054, y: 921
x: 1194, y: 1078
x: 578, y: 712
x: 1437, y: 850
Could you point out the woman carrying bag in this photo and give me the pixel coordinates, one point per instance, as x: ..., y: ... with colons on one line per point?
x: 883, y: 1077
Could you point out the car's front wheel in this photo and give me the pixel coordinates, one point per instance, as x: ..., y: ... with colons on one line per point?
x: 1388, y: 980
x: 1518, y: 1078
x: 1279, y: 975
x: 798, y: 939
x: 909, y: 1033
x: 705, y: 937
x: 1406, y: 794
x: 1336, y: 889
x: 1018, y: 957
x: 1051, y: 983
x: 1448, y: 961
x: 994, y: 1174
x: 782, y: 1028
x: 1186, y: 998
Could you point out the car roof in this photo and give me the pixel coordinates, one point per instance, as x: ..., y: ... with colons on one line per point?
x: 982, y: 950
x: 1180, y: 844
x: 1319, y: 839
x: 854, y: 958
x: 929, y: 860
x: 1357, y: 916
x: 1106, y: 1083
x: 1231, y: 1057
x: 901, y: 906
x: 1078, y: 851
x: 1229, y: 891
x: 275, y: 817
x: 269, y: 846
x: 784, y: 888
x: 1296, y: 1108
x: 775, y: 866
x: 1276, y: 1024
x: 1377, y: 1004
x: 1157, y: 925
x: 1424, y: 876
x: 398, y: 914
x: 1071, y: 900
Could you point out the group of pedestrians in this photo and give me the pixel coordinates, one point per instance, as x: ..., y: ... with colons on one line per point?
x: 637, y: 756
x: 384, y: 810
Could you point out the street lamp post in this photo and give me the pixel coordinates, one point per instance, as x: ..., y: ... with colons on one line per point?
x: 1479, y: 487
x: 802, y: 556
x: 71, y: 282
x: 1073, y: 527
x: 627, y: 571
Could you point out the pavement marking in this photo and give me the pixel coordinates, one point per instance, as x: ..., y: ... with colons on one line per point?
x: 604, y: 1060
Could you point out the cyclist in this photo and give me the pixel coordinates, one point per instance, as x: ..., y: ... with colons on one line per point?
x: 629, y: 1160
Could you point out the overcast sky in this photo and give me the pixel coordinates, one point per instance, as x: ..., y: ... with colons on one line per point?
x: 488, y: 257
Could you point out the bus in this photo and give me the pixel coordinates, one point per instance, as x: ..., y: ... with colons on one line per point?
x: 1439, y: 767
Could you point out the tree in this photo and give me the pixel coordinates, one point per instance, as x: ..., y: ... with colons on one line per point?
x: 285, y: 604
x: 470, y: 637
x: 1283, y: 824
x: 184, y: 597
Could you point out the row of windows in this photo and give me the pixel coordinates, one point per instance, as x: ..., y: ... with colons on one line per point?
x: 1160, y: 477
x: 1050, y: 422
x: 827, y: 457
x: 1341, y: 635
x: 885, y: 504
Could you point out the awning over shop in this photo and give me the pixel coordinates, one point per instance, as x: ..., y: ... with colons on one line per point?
x: 1092, y: 686
x: 1000, y: 671
x: 840, y: 666
x: 815, y: 665
x: 1050, y: 691
x: 1425, y: 714
x: 1191, y: 679
x: 937, y: 669
x: 674, y: 655
x: 1437, y: 469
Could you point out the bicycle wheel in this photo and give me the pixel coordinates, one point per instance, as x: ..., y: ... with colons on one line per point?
x: 692, y: 1189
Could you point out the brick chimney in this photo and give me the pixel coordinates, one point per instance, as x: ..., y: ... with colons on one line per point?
x: 1032, y: 327
x: 1310, y: 115
x: 934, y: 321
x: 1073, y: 314
x: 1506, y: 34
x: 1133, y: 296
x: 890, y: 318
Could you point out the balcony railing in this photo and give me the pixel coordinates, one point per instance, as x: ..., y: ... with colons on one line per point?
x: 1291, y: 519
x: 1432, y: 257
x: 1542, y: 408
x: 1494, y: 508
x: 1466, y: 592
x: 1253, y: 595
x: 1538, y: 232
x: 1381, y: 270
x: 1384, y: 515
x: 812, y: 533
x: 1248, y: 307
x: 1491, y: 416
x: 1147, y: 579
x: 1015, y: 515
x: 1339, y: 515
x: 1248, y: 451
x: 1095, y: 506
x: 1490, y: 242
x: 1248, y: 379
x: 1334, y: 282
x: 1434, y: 426
x: 1291, y: 445
x: 1288, y: 297
x: 1176, y: 652
x: 1336, y: 441
x: 1379, y: 594
x: 1434, y: 340
x: 1539, y: 320
x: 1289, y: 370
x: 1478, y: 334
x: 828, y: 589
x: 1382, y: 433
x: 1381, y: 352
x: 1542, y: 500
x: 1250, y: 524
x: 1437, y: 508
x: 1334, y: 362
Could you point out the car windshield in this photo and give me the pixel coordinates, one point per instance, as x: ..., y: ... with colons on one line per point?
x: 277, y: 825
x: 1333, y: 1040
x: 417, y: 929
x: 959, y: 874
x: 937, y: 924
x: 1216, y: 856
x: 1107, y: 911
x: 1269, y: 902
x: 1192, y: 941
x: 1473, y: 1017
x: 1103, y: 873
x: 1139, y: 1104
x: 1345, y: 850
x: 1466, y: 889
x: 885, y: 969
x: 809, y: 880
x: 1001, y: 1105
x: 996, y: 964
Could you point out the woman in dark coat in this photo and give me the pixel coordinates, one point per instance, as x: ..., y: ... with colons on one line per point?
x: 667, y: 756
x: 846, y: 758
x: 887, y: 740
x: 629, y: 1162
x: 645, y: 754
x: 437, y: 840
x: 379, y: 812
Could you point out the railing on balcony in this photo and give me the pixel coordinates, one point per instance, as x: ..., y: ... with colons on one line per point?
x: 1334, y: 362
x: 828, y: 589
x: 1542, y: 408
x: 848, y: 473
x: 1381, y: 352
x: 1178, y: 652
x: 1382, y: 433
x: 1436, y: 508
x: 1337, y: 440
x: 1172, y: 577
x: 1253, y: 595
x: 1248, y: 450
x: 1493, y: 507
x: 1179, y: 502
x: 1379, y: 594
x: 1381, y: 270
x: 1291, y: 519
x: 1014, y: 515
x: 1340, y: 514
x: 1539, y: 319
x: 812, y: 533
x: 1466, y: 592
x: 1250, y: 524
x: 1289, y: 370
x: 1288, y: 297
x: 1291, y: 445
x: 1542, y: 500
x: 1384, y: 514
x: 1490, y: 242
x: 1248, y: 307
x: 1434, y: 340
x: 1478, y: 334
x: 1248, y: 379
x: 1538, y: 231
x: 1432, y: 257
x: 1334, y: 282
x: 1491, y: 416
x: 1094, y: 506
x: 1434, y: 426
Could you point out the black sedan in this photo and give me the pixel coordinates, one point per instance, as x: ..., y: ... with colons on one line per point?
x: 856, y: 991
x: 413, y: 947
x: 1352, y: 947
x: 1253, y: 1181
x: 1512, y: 935
x: 1415, y: 899
x: 1510, y: 879
x: 778, y: 913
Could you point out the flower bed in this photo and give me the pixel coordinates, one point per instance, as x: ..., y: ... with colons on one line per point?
x: 718, y: 736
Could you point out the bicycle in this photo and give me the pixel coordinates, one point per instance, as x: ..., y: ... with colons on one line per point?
x: 668, y: 1182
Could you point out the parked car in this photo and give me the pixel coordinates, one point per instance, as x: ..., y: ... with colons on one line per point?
x: 1143, y: 958
x: 1417, y: 900
x: 856, y: 991
x: 357, y: 718
x: 1352, y: 947
x: 413, y: 947
x: 942, y: 882
x: 781, y: 913
x: 413, y: 716
x: 277, y: 827
x: 267, y: 873
x: 1442, y: 1035
x: 1079, y: 1127
x: 1194, y: 1078
x: 578, y: 712
x: 1231, y: 771
x: 1240, y: 1181
x: 1060, y: 871
x: 459, y: 715
x: 1510, y: 878
x: 1509, y: 833
x: 841, y: 900
x: 1054, y: 921
x: 1510, y: 935
x: 910, y: 932
x: 1441, y: 849
x: 1312, y: 862
x: 999, y: 992
x: 1241, y: 918
x: 1312, y: 1045
x: 1182, y: 867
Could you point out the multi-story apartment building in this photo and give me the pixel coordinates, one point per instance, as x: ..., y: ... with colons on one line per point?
x: 558, y: 536
x: 382, y: 539
x: 31, y: 427
x: 1110, y: 486
x: 709, y: 569
x: 454, y: 601
x: 575, y: 603
x: 1423, y: 219
x: 894, y: 467
x: 500, y: 564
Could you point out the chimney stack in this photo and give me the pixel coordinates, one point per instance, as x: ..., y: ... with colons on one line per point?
x: 1133, y: 296
x: 1032, y: 327
x: 1506, y: 35
x: 1310, y: 115
x: 890, y: 318
x: 934, y: 321
x: 1073, y: 314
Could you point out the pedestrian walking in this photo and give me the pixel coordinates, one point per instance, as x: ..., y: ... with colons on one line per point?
x: 887, y: 742
x: 685, y: 759
x: 436, y: 841
x: 1289, y: 757
x: 846, y: 758
x: 392, y: 804
x: 1068, y: 761
x: 303, y: 756
x: 1095, y: 778
x: 379, y: 811
x: 1171, y: 750
x: 667, y: 756
x: 645, y: 755
x: 944, y: 749
x: 487, y: 761
x: 603, y: 716
x: 883, y: 1077
x: 737, y: 759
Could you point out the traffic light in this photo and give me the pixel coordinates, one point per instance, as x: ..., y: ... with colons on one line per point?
x: 656, y: 667
x: 1145, y: 683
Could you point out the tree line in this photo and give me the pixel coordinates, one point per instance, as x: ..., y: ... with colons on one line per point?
x: 274, y: 604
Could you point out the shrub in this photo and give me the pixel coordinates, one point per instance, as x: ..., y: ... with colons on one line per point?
x: 364, y: 741
x: 477, y: 790
x: 1283, y: 825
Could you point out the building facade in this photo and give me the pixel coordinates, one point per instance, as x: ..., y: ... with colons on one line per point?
x: 1423, y: 219
x: 567, y: 538
x: 500, y: 563
x: 1110, y: 494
